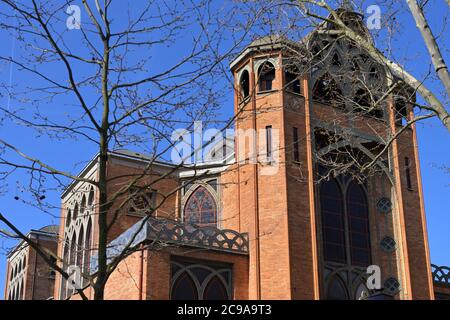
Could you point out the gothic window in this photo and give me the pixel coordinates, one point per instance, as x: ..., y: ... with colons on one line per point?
x: 292, y: 78
x: 87, y: 247
x: 215, y: 290
x: 337, y: 290
x: 326, y: 90
x: 68, y: 218
x: 244, y: 84
x: 184, y: 288
x: 75, y: 211
x: 358, y: 217
x: 345, y: 224
x: 200, y: 281
x: 83, y: 204
x: 91, y: 197
x: 266, y: 75
x: 79, y: 261
x: 200, y: 208
x: 332, y: 222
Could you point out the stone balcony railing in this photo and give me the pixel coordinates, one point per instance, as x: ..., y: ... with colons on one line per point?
x: 172, y: 233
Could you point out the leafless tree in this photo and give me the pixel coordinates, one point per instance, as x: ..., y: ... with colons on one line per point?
x: 113, y: 93
x: 100, y: 80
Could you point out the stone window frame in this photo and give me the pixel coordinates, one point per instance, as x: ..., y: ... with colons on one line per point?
x: 185, y: 266
x: 215, y: 193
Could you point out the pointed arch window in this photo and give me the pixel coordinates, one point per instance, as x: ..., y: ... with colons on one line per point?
x: 83, y: 204
x: 326, y: 90
x: 266, y: 75
x: 68, y: 217
x: 358, y: 226
x: 184, y: 288
x: 345, y: 223
x: 244, y: 84
x: 201, y: 208
x: 200, y: 280
x: 292, y: 79
x: 333, y: 229
x: 215, y: 290
x: 91, y: 197
x: 75, y: 211
x: 79, y: 255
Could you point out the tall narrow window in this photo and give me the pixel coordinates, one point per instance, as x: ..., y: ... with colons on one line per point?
x: 291, y: 77
x: 184, y: 288
x: 358, y: 225
x: 408, y: 173
x: 200, y: 208
x: 269, y: 143
x: 345, y: 224
x: 332, y: 222
x: 245, y: 85
x: 266, y: 74
x: 296, y: 149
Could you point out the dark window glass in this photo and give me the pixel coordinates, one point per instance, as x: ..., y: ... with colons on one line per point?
x: 245, y: 84
x: 332, y: 221
x: 266, y: 74
x: 91, y: 197
x: 336, y: 290
x: 184, y: 288
x: 291, y: 76
x: 269, y: 143
x: 408, y: 173
x: 327, y: 91
x: 200, y: 209
x: 358, y: 216
x: 215, y: 290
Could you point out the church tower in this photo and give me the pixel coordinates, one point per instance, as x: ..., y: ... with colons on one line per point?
x: 329, y: 194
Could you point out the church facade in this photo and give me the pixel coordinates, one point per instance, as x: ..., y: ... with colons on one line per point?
x: 234, y: 229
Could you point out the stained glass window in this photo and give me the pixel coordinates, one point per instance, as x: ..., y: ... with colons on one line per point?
x: 201, y: 209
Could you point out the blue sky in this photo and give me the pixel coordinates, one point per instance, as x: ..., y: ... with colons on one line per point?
x: 434, y: 145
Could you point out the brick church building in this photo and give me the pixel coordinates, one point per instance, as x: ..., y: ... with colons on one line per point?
x: 225, y: 229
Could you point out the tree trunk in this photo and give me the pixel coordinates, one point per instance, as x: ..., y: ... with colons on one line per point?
x: 430, y: 41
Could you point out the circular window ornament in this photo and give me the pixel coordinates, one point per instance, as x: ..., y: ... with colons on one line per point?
x: 388, y: 244
x: 391, y: 286
x: 384, y: 205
